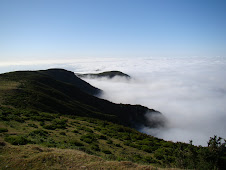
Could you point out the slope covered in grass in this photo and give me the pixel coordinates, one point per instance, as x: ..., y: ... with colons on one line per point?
x: 36, y: 157
x: 33, y: 132
x: 48, y: 123
x: 58, y: 93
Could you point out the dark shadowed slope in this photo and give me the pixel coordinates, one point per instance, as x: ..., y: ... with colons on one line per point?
x: 69, y: 77
x: 56, y: 91
x: 107, y: 74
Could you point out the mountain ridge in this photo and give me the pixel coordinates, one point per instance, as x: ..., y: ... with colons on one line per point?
x: 47, y: 91
x: 106, y: 74
x: 69, y: 77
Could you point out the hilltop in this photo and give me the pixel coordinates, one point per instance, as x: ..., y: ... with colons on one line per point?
x: 69, y: 77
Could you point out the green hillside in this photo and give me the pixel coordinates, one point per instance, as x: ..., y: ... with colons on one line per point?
x: 48, y: 122
x: 57, y: 93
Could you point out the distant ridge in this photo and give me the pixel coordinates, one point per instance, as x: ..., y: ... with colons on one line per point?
x: 106, y: 74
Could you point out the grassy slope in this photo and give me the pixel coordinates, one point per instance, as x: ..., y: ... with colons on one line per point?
x: 34, y: 133
x: 36, y: 157
x: 104, y: 139
x: 41, y: 92
x: 48, y: 139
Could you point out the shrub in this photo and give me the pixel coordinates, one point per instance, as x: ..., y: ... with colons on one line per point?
x: 42, y: 123
x: 104, y: 131
x: 109, y: 142
x: 76, y: 143
x: 17, y: 140
x: 135, y: 146
x: 60, y: 123
x: 88, y: 138
x: 95, y: 147
x: 18, y: 119
x: 39, y: 132
x: 102, y: 137
x: 56, y: 124
x: 127, y: 143
x: 63, y: 133
x: 149, y: 159
x: 136, y: 137
x: 84, y: 149
x: 106, y: 151
x: 146, y: 149
x: 50, y: 142
x: 126, y: 137
x: 32, y: 113
x: 97, y: 128
x: 33, y: 125
x: 3, y: 130
x: 47, y: 116
x: 87, y: 130
x: 145, y: 142
x: 136, y: 157
x: 75, y: 131
x: 76, y: 122
x: 158, y: 155
x: 79, y: 128
x: 49, y: 127
x: 118, y: 145
x: 2, y: 144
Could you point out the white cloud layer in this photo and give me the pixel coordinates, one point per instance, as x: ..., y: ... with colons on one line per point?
x: 190, y: 91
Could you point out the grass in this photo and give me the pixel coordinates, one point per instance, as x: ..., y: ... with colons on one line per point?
x: 8, y: 85
x: 34, y: 135
x: 86, y: 138
x: 5, y: 87
x: 36, y: 157
x: 104, y: 140
x: 48, y: 124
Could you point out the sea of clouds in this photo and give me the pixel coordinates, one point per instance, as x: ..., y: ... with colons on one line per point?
x: 189, y: 91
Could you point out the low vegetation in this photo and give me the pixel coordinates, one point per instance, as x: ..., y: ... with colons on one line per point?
x: 106, y: 140
x: 33, y: 137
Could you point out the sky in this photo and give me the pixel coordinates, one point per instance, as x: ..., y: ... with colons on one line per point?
x: 67, y: 29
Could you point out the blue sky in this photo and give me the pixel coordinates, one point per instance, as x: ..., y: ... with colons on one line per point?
x: 56, y: 29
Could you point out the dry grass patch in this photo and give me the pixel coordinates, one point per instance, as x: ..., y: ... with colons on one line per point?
x: 6, y: 86
x: 36, y: 157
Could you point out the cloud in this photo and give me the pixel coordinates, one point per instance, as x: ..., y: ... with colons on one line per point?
x: 189, y: 91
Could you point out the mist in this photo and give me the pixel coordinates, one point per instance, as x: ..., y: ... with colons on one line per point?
x: 189, y: 91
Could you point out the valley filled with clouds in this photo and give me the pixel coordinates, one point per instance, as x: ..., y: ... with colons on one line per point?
x: 189, y: 91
